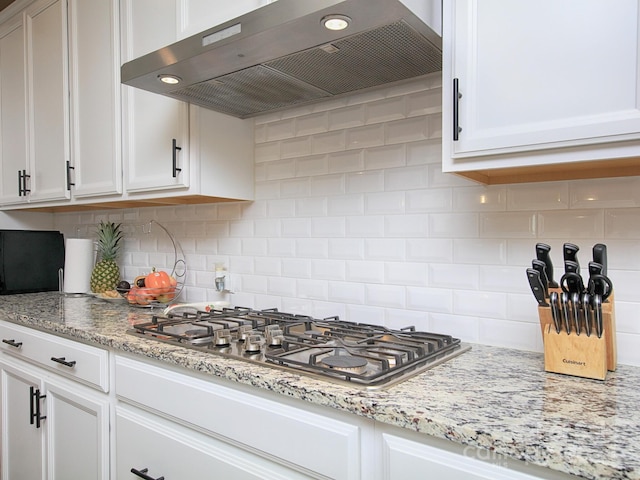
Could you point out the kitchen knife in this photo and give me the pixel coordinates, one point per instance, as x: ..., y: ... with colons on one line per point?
x: 564, y: 306
x: 570, y: 252
x: 600, y: 256
x: 587, y: 312
x: 555, y: 310
x: 538, y: 289
x: 542, y: 253
x: 575, y: 311
x: 597, y: 313
x: 540, y: 266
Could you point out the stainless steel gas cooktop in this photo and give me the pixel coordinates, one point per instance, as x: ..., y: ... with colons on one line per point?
x: 362, y: 355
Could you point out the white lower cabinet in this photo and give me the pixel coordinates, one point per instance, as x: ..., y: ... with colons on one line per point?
x: 266, y: 435
x: 148, y: 446
x: 52, y: 428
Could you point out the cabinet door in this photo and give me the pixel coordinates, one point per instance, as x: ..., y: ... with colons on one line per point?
x: 163, y: 449
x: 77, y: 433
x: 13, y: 104
x: 95, y: 97
x: 541, y: 74
x: 48, y: 101
x: 151, y: 122
x: 22, y: 442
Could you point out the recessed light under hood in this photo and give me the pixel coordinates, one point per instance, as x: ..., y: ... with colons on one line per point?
x: 281, y: 55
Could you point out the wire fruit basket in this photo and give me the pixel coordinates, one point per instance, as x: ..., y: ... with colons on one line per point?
x: 153, y: 285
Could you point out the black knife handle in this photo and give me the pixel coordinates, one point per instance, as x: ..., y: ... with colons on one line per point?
x: 597, y: 312
x: 587, y: 311
x: 543, y: 253
x: 541, y: 267
x: 533, y: 276
x: 575, y: 311
x: 570, y: 252
x: 600, y: 256
x: 564, y: 305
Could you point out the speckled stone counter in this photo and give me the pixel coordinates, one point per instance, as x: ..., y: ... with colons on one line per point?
x: 489, y: 397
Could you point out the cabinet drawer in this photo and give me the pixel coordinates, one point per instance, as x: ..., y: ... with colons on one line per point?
x: 314, y: 442
x: 84, y: 363
x: 168, y: 450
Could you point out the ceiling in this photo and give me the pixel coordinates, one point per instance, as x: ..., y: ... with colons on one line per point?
x: 5, y: 3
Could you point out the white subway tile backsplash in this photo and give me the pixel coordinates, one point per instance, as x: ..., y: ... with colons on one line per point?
x: 328, y: 142
x: 312, y: 165
x: 454, y: 276
x: 605, y: 193
x: 385, y: 110
x: 481, y: 304
x: 280, y: 129
x: 508, y: 225
x: 404, y: 226
x: 406, y: 178
x: 327, y: 185
x: 389, y: 296
x: 402, y: 273
x: 347, y: 117
x: 359, y: 182
x: 387, y: 203
x: 453, y: 225
x: 312, y: 247
x: 538, y: 196
x: 354, y: 217
x: 392, y: 249
x: 349, y: 161
x: 328, y: 227
x: 407, y: 130
x: 346, y: 292
x: 328, y: 269
x: 369, y: 226
x: 384, y: 157
x: 295, y: 147
x: 622, y: 223
x: 424, y: 152
x: 346, y: 248
x: 280, y: 169
x: 346, y: 205
x: 365, y: 137
x: 313, y: 123
x: 480, y: 199
x: 424, y: 103
x: 571, y: 224
x: 428, y: 200
x: 480, y: 251
x: 364, y: 272
x: 296, y: 267
x: 295, y: 188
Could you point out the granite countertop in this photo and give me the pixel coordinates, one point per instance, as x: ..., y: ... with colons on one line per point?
x: 495, y: 398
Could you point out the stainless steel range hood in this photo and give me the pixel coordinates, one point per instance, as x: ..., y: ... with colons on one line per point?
x: 281, y: 56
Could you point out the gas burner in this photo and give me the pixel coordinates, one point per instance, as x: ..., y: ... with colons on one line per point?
x: 345, y: 363
x: 357, y: 354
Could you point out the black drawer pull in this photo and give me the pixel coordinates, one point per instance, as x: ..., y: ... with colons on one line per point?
x: 34, y: 406
x: 456, y: 119
x: 64, y: 362
x: 142, y: 474
x: 175, y: 149
x: 12, y: 342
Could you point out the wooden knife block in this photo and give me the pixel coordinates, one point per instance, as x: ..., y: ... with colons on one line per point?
x: 579, y: 355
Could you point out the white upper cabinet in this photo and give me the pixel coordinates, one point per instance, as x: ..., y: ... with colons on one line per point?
x: 172, y: 148
x: 152, y: 123
x: 13, y: 111
x: 48, y: 113
x: 539, y: 82
x: 95, y: 98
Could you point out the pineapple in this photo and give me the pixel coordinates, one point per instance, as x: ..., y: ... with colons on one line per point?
x: 106, y: 274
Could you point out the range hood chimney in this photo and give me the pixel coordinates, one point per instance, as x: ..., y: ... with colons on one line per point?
x: 281, y: 55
